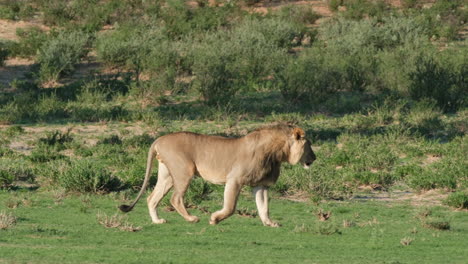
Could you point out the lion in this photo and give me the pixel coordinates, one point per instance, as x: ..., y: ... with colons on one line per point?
x: 254, y: 159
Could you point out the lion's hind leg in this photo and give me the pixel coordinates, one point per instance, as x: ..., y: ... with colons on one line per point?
x: 182, y: 177
x: 163, y: 185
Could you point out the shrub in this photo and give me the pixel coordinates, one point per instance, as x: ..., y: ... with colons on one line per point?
x: 14, y: 130
x: 350, y: 37
x: 307, y: 78
x: 278, y: 32
x: 57, y: 13
x: 30, y: 41
x: 43, y: 153
x: 127, y: 47
x: 424, y: 117
x: 443, y: 174
x: 111, y: 140
x: 54, y: 138
x: 3, y: 53
x: 431, y: 80
x: 86, y: 175
x: 60, y: 54
x: 166, y: 61
x: 299, y: 14
x: 357, y: 9
x: 409, y: 3
x: 444, y: 18
x: 334, y: 4
x: 197, y: 191
x: 181, y: 20
x: 140, y: 141
x: 6, y: 178
x: 50, y: 108
x: 15, y: 10
x: 458, y: 200
x: 216, y: 80
x: 20, y: 109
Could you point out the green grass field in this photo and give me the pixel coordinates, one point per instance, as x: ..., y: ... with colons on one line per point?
x: 379, y: 87
x: 55, y: 229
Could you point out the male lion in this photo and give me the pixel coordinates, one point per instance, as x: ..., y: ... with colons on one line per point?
x: 254, y: 160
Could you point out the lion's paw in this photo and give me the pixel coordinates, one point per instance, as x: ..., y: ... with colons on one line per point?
x: 193, y: 219
x: 272, y: 224
x: 159, y: 221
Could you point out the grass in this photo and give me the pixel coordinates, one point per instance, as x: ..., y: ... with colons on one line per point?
x: 48, y: 229
x: 380, y: 99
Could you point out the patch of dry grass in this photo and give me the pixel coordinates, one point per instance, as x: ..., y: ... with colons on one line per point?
x: 7, y: 220
x: 116, y: 221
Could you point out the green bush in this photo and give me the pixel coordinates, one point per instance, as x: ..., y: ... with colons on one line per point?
x: 431, y: 80
x: 6, y: 178
x: 409, y: 3
x: 458, y: 200
x: 56, y: 138
x: 140, y: 141
x: 16, y: 10
x: 181, y: 20
x: 57, y: 12
x: 278, y: 32
x: 19, y: 109
x: 443, y: 174
x: 198, y: 190
x: 299, y: 14
x: 95, y: 113
x: 334, y: 4
x: 50, y: 108
x: 4, y: 52
x: 43, y: 153
x: 358, y: 9
x: 127, y: 47
x: 14, y: 130
x: 30, y: 41
x: 94, y: 103
x: 86, y: 175
x: 424, y: 117
x: 348, y: 37
x: 60, y: 54
x: 111, y: 140
x: 444, y: 18
x: 307, y: 78
x: 216, y: 78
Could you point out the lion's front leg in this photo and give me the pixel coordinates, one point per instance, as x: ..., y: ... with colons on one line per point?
x: 231, y: 192
x: 261, y: 198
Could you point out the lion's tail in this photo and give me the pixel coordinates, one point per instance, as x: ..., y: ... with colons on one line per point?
x: 149, y: 164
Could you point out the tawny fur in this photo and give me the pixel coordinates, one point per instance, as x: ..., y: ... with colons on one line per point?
x: 253, y: 160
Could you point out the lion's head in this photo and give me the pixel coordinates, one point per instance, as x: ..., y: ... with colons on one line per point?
x: 300, y: 149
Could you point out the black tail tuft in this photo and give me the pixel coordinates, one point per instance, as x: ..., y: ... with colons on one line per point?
x: 125, y: 208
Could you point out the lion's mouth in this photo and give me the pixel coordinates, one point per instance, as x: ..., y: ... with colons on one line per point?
x: 306, y: 165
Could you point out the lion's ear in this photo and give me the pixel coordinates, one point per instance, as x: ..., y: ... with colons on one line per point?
x: 298, y: 133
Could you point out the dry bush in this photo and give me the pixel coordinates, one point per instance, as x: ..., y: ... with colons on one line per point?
x: 7, y: 220
x: 116, y: 221
x: 406, y: 241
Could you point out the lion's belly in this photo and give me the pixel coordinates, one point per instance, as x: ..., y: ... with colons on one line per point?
x: 211, y: 175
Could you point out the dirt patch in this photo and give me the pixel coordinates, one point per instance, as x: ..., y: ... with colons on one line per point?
x: 8, y: 28
x: 296, y: 197
x: 428, y: 198
x: 320, y: 7
x: 431, y: 159
x: 21, y: 146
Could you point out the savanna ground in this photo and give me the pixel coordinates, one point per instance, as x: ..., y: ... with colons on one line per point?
x: 379, y: 87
